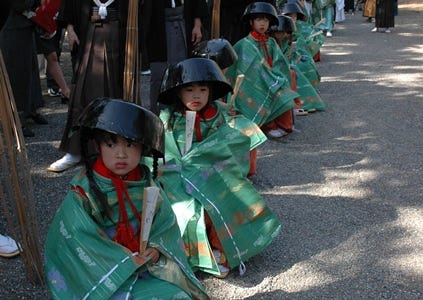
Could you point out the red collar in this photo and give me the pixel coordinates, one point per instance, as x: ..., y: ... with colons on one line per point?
x: 258, y: 36
x: 262, y: 39
x: 101, y: 169
x: 205, y: 114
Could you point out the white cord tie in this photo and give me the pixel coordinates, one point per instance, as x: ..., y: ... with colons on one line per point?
x: 102, y: 8
x: 242, y: 269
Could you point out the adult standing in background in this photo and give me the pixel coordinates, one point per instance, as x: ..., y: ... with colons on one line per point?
x: 97, y: 36
x: 17, y: 43
x: 175, y: 26
x: 369, y: 10
x: 340, y: 11
x: 349, y: 6
x: 324, y: 10
x: 50, y: 49
x: 384, y: 18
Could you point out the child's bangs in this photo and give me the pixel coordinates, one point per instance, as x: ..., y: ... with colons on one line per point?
x: 261, y: 16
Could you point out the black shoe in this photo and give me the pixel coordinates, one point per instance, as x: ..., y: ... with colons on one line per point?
x: 64, y: 100
x: 27, y: 132
x: 38, y: 118
x: 52, y: 92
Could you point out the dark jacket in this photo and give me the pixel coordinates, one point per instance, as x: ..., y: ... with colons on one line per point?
x: 78, y: 13
x: 153, y: 22
x: 17, y: 43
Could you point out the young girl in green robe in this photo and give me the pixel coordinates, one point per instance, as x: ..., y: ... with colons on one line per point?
x: 222, y: 218
x: 265, y: 96
x: 93, y: 248
x: 309, y: 97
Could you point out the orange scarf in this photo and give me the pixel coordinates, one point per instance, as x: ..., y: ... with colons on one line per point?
x: 124, y: 232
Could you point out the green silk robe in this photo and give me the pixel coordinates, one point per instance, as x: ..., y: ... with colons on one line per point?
x: 83, y: 262
x: 265, y: 92
x: 211, y: 177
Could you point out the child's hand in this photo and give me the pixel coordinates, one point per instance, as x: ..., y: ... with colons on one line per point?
x: 153, y: 253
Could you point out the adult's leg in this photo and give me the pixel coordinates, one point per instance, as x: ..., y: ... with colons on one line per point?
x: 54, y: 69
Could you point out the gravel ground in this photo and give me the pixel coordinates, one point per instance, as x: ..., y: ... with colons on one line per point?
x: 346, y: 185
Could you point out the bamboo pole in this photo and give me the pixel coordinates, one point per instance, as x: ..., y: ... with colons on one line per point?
x: 131, y: 68
x: 238, y: 82
x: 215, y: 30
x: 16, y: 189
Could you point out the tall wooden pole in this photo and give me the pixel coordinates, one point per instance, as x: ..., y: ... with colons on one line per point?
x: 131, y: 68
x: 16, y: 192
x: 215, y: 30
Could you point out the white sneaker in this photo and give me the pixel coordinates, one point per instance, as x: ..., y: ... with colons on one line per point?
x: 329, y: 34
x: 146, y: 72
x: 300, y: 112
x: 8, y: 246
x: 388, y: 30
x: 276, y: 133
x: 374, y: 29
x: 66, y: 162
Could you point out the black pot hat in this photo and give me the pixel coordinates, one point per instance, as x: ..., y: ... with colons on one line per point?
x: 126, y: 119
x: 219, y: 50
x: 193, y: 70
x: 286, y: 24
x: 261, y: 8
x: 293, y: 7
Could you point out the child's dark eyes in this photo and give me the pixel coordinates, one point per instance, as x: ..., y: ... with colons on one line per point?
x: 129, y: 145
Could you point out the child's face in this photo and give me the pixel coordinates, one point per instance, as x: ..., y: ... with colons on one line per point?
x: 280, y: 35
x: 194, y: 96
x: 120, y: 156
x: 293, y: 16
x: 260, y: 25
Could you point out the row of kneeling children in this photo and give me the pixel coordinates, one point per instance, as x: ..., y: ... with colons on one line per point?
x: 163, y: 197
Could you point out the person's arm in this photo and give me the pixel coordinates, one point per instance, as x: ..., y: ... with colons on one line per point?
x: 197, y: 14
x: 72, y: 36
x: 196, y: 31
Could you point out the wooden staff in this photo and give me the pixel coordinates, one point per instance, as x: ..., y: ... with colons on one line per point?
x: 16, y: 190
x: 215, y: 30
x: 314, y: 34
x: 238, y: 82
x: 323, y: 20
x: 149, y: 204
x: 131, y: 68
